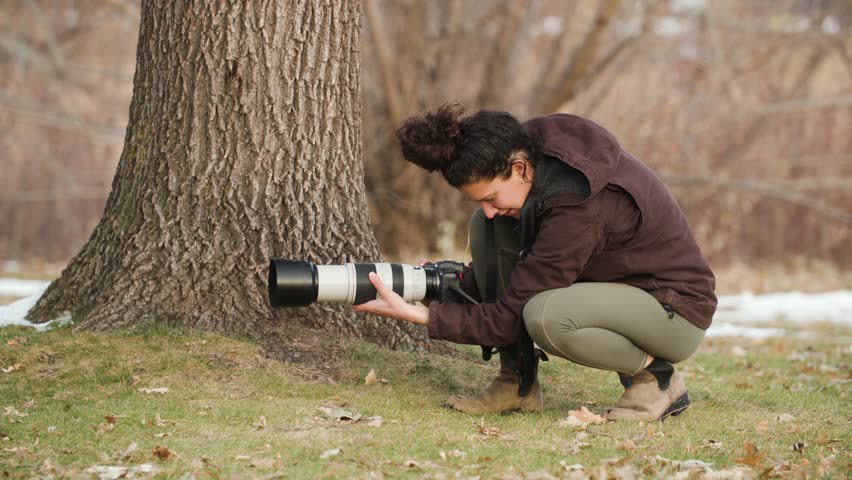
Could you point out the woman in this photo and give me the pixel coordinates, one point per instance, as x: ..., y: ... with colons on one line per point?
x: 612, y: 277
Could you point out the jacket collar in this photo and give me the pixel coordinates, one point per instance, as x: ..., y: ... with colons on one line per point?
x: 578, y: 142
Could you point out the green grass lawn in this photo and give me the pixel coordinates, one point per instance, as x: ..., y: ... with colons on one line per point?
x: 74, y: 403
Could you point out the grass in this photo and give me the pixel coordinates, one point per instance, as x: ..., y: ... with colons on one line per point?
x: 72, y: 401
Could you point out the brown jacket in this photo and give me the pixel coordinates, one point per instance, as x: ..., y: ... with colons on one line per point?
x: 628, y: 230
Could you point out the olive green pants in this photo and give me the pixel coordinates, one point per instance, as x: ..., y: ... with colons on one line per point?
x: 611, y: 326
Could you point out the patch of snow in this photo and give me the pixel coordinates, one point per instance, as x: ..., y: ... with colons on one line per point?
x: 15, y: 287
x: 797, y: 307
x: 15, y: 313
x: 731, y: 330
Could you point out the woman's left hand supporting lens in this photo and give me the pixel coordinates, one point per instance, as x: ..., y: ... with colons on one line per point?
x: 389, y: 304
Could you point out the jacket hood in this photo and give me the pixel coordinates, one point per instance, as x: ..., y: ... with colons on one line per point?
x: 578, y: 142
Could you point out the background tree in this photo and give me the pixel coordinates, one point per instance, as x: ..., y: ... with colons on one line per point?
x: 743, y: 107
x: 244, y: 142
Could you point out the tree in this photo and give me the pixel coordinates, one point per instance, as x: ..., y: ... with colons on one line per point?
x: 243, y: 143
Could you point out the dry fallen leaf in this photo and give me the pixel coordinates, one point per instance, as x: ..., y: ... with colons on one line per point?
x: 330, y: 453
x: 12, y: 368
x: 571, y: 422
x: 339, y: 414
x: 160, y: 390
x: 762, y: 426
x: 375, y: 421
x: 163, y: 423
x: 711, y: 444
x: 785, y: 417
x: 488, y: 431
x: 13, y: 412
x: 627, y: 445
x: 261, y: 423
x: 371, y: 377
x: 575, y: 445
x: 822, y: 439
x: 163, y: 453
x: 104, y: 427
x: 584, y: 415
x: 753, y: 457
x: 128, y: 452
x: 263, y: 463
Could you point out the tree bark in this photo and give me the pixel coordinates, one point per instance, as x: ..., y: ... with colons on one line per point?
x: 244, y: 143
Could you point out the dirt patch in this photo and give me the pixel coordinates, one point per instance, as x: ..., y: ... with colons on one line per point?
x: 323, y: 354
x: 320, y: 352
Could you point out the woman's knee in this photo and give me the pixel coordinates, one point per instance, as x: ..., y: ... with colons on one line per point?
x: 543, y: 320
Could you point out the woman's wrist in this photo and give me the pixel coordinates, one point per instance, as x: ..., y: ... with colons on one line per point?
x: 419, y: 315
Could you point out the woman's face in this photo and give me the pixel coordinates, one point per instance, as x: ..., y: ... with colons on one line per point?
x: 502, y: 196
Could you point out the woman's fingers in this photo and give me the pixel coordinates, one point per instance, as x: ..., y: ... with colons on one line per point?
x: 422, y: 262
x: 376, y: 280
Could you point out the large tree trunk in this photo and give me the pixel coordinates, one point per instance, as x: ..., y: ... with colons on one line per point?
x: 244, y: 143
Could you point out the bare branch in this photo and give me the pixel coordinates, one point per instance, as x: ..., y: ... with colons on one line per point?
x: 35, y: 196
x: 380, y: 43
x: 582, y: 62
x: 52, y: 45
x: 763, y: 188
x: 498, y: 58
x: 59, y: 120
x: 800, y: 104
x: 20, y: 49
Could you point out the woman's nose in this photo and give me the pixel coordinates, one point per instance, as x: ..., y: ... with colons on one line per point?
x: 488, y: 210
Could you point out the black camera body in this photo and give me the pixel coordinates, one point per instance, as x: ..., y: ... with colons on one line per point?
x: 447, y: 279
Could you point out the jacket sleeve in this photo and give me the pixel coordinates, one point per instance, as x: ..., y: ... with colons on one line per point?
x: 468, y: 283
x: 567, y: 238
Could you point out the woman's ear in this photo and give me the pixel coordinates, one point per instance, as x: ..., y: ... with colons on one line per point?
x: 519, y: 167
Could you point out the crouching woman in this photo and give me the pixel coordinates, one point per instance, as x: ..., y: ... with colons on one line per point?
x: 577, y: 244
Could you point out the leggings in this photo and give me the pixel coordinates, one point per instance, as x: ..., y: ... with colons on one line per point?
x: 611, y: 326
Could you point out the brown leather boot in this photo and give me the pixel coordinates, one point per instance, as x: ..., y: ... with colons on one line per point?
x: 651, y: 395
x: 502, y: 394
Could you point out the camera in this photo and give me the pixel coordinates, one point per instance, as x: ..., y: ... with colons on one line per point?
x: 298, y: 283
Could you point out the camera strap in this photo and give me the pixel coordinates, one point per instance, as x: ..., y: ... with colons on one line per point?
x: 490, y: 283
x: 490, y: 263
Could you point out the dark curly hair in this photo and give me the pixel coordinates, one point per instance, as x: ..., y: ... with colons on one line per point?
x: 466, y: 150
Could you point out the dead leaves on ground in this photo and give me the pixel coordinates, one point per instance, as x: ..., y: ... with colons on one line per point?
x: 12, y: 368
x: 580, y: 419
x: 344, y: 416
x: 487, y: 431
x: 753, y: 457
x: 163, y: 453
x: 372, y: 379
x: 159, y: 390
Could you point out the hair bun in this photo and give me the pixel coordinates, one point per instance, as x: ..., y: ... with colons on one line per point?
x: 429, y: 140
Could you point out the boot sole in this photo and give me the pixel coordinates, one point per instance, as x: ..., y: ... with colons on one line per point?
x: 677, y: 407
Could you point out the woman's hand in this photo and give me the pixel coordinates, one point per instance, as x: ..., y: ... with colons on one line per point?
x: 389, y: 304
